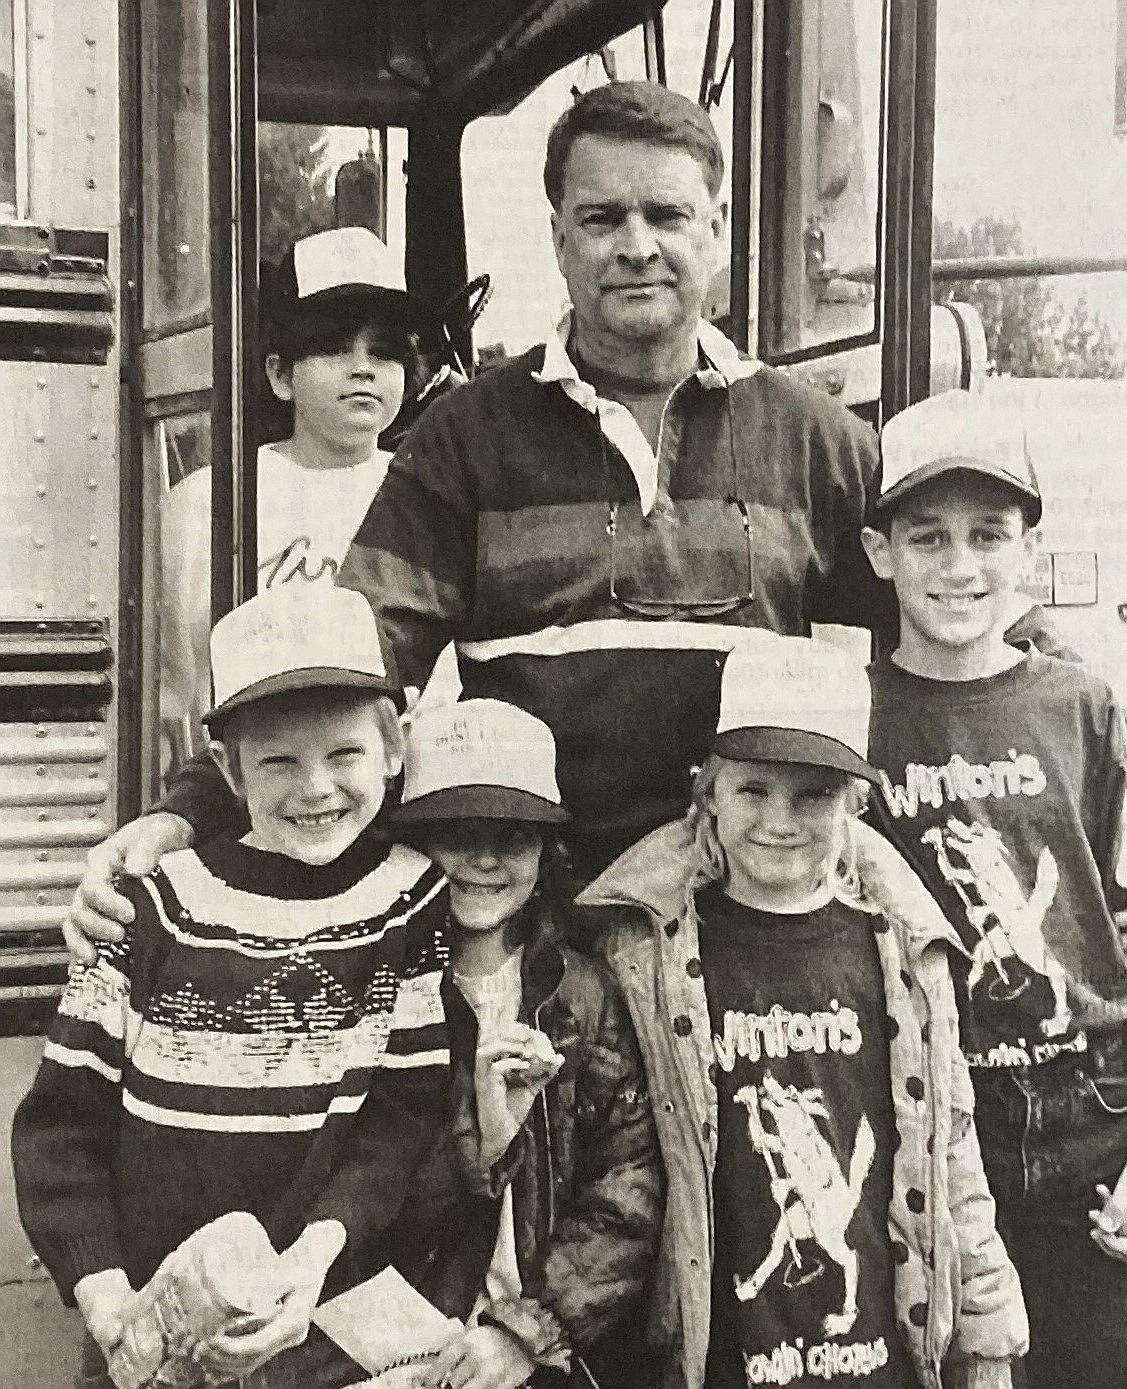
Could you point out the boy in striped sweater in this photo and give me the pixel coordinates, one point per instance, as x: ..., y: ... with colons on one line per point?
x: 268, y: 1037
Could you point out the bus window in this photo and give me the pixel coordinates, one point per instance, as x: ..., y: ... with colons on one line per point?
x: 823, y: 67
x: 180, y: 448
x: 8, y: 105
x: 301, y: 188
x: 174, y: 155
x: 1028, y: 165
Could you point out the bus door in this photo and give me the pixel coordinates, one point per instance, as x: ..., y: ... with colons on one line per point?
x: 192, y: 197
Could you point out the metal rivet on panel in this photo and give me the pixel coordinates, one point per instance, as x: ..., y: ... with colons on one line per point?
x: 90, y: 40
x: 41, y: 898
x: 40, y: 732
x: 41, y: 382
x: 42, y: 815
x: 91, y: 135
x: 95, y: 382
x: 39, y: 543
x: 41, y: 130
x: 94, y: 432
x: 40, y: 435
x: 91, y: 729
x: 92, y: 483
x: 91, y: 87
x: 39, y: 602
x: 41, y: 770
x: 91, y: 183
x: 40, y: 489
x: 93, y: 540
x: 91, y: 602
x: 41, y: 33
x: 40, y: 626
x: 43, y: 856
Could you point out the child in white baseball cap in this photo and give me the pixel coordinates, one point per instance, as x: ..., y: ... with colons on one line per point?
x: 341, y: 355
x: 1002, y: 782
x: 546, y: 1068
x: 790, y: 982
x: 268, y: 1036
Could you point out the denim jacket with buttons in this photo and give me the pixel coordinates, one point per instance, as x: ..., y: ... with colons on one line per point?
x: 958, y: 1300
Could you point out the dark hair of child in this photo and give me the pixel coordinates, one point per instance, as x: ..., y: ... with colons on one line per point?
x: 333, y: 328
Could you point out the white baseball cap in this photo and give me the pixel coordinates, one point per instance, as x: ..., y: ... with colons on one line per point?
x: 480, y: 759
x: 298, y: 636
x: 797, y: 700
x: 343, y: 263
x: 956, y: 431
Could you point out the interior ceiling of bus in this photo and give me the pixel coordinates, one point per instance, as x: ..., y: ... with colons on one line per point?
x: 399, y: 62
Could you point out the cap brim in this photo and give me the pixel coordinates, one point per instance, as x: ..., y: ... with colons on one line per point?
x: 409, y: 309
x: 791, y: 745
x: 479, y: 803
x: 1029, y: 497
x: 312, y: 678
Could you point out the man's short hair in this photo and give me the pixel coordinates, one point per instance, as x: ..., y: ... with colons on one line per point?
x: 642, y: 111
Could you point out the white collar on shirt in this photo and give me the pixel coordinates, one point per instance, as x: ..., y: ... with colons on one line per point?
x: 722, y: 365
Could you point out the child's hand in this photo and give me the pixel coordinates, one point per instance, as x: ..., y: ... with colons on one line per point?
x: 103, y: 1299
x: 510, y: 1070
x: 302, y: 1270
x: 481, y: 1357
x: 1109, y: 1223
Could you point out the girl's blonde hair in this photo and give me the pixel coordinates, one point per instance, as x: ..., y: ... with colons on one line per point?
x: 711, y: 862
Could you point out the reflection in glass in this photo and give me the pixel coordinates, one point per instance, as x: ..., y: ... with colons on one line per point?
x: 174, y: 164
x: 819, y: 226
x: 7, y: 109
x: 184, y: 451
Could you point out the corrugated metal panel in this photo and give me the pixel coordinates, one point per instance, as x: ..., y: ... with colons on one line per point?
x: 53, y: 806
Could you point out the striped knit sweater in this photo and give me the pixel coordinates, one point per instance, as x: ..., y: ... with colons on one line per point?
x: 269, y: 1037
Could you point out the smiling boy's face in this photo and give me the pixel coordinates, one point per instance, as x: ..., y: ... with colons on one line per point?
x: 312, y: 772
x: 956, y: 551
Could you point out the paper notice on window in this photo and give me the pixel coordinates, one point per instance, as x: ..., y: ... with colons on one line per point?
x: 384, y: 1323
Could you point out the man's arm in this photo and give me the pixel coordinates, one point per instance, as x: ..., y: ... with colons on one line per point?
x: 198, y: 794
x: 414, y: 555
x: 845, y: 477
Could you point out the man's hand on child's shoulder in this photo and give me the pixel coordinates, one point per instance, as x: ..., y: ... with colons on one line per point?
x: 98, y: 912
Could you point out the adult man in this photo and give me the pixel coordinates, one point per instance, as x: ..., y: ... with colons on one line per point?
x: 596, y: 522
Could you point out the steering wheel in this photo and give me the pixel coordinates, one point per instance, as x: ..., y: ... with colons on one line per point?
x: 459, y: 314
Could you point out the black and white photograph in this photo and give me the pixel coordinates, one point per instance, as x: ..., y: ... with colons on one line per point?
x: 563, y: 657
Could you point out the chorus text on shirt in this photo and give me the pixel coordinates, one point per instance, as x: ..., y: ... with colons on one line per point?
x: 779, y: 1032
x: 788, y: 1363
x: 1019, y: 774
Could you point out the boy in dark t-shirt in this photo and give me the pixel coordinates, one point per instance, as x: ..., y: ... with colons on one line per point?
x: 1002, y: 780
